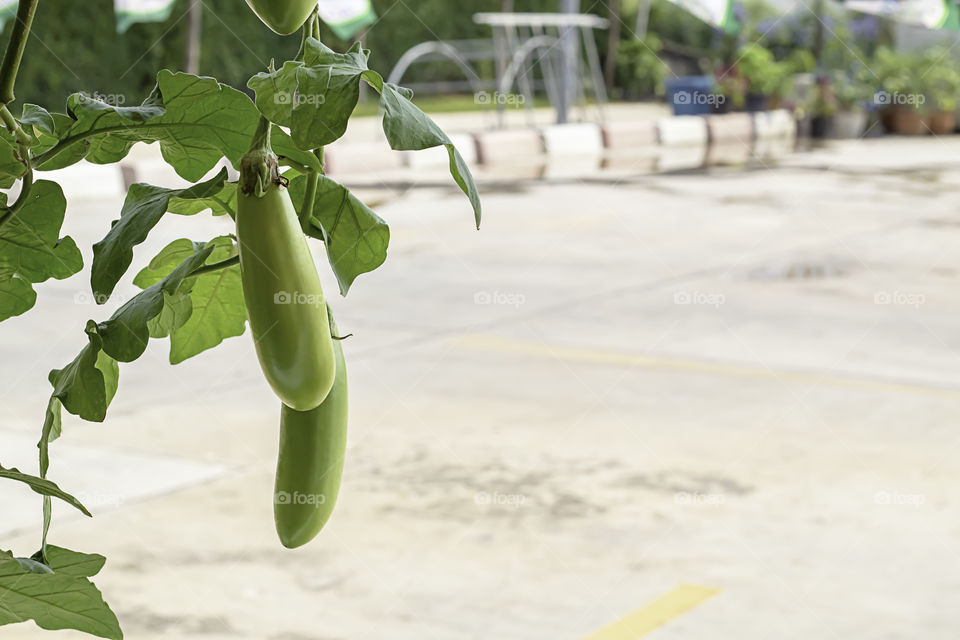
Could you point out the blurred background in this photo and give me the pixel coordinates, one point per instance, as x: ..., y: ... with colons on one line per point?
x: 696, y: 376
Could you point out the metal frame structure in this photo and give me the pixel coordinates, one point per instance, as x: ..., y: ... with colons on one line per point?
x: 517, y: 37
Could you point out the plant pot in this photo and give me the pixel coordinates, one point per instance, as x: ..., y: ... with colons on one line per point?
x: 821, y: 126
x: 888, y: 119
x: 909, y: 122
x: 756, y: 102
x: 849, y: 124
x: 941, y: 122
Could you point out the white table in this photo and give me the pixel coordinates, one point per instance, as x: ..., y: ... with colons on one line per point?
x: 518, y: 36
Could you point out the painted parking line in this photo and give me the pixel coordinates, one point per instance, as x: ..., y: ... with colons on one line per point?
x: 487, y: 342
x: 655, y: 614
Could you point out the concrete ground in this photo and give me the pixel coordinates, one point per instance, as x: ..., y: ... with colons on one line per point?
x: 746, y: 380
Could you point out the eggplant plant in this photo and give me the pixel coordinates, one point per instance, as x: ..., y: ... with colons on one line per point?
x: 193, y: 290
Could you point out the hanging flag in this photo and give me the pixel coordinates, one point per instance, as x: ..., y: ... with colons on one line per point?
x: 346, y: 17
x: 717, y: 13
x: 932, y: 14
x: 8, y: 10
x: 133, y: 11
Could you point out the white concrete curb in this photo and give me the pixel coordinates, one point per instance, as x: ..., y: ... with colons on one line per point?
x: 774, y: 124
x: 573, y: 140
x: 680, y: 142
x: 683, y: 131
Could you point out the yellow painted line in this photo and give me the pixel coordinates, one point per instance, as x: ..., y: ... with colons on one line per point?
x: 656, y: 614
x: 487, y: 342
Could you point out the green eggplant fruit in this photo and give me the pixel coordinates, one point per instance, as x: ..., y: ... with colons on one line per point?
x: 312, y: 448
x: 284, y: 299
x: 283, y: 16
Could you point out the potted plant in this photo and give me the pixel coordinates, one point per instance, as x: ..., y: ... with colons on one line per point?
x: 731, y: 91
x: 942, y: 85
x: 768, y: 81
x: 900, y: 97
x: 850, y: 94
x: 641, y: 73
x: 802, y: 64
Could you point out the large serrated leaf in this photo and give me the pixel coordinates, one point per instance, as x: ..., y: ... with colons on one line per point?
x: 143, y: 208
x: 16, y: 296
x: 216, y: 306
x: 314, y: 98
x: 54, y: 601
x: 73, y: 563
x: 126, y: 333
x: 218, y: 310
x: 195, y: 120
x: 356, y: 238
x: 30, y: 244
x: 222, y: 203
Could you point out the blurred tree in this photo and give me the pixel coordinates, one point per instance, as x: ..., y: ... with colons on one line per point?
x: 76, y: 48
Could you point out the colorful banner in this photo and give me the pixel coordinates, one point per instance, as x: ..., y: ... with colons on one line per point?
x: 130, y: 12
x: 346, y: 17
x: 717, y: 13
x: 932, y: 14
x: 8, y: 10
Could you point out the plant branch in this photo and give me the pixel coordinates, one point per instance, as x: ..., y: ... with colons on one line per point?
x: 22, y: 137
x: 216, y: 266
x: 304, y: 34
x: 287, y: 162
x: 313, y: 179
x: 306, y: 210
x: 23, y: 150
x: 15, y: 48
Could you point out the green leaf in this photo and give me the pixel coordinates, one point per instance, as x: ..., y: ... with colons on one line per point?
x: 11, y: 166
x: 275, y: 91
x: 30, y: 245
x: 38, y: 118
x: 356, y: 238
x: 218, y: 309
x: 16, y: 296
x: 33, y: 566
x: 196, y: 120
x: 65, y: 155
x: 223, y: 202
x: 52, y: 428
x: 142, y: 209
x: 175, y: 313
x: 166, y: 261
x: 409, y: 129
x: 111, y: 375
x: 43, y: 487
x: 53, y: 601
x: 213, y: 308
x: 73, y: 563
x: 314, y: 98
x: 81, y: 386
x: 126, y: 333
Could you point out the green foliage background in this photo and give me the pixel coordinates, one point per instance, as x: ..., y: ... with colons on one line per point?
x: 75, y: 47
